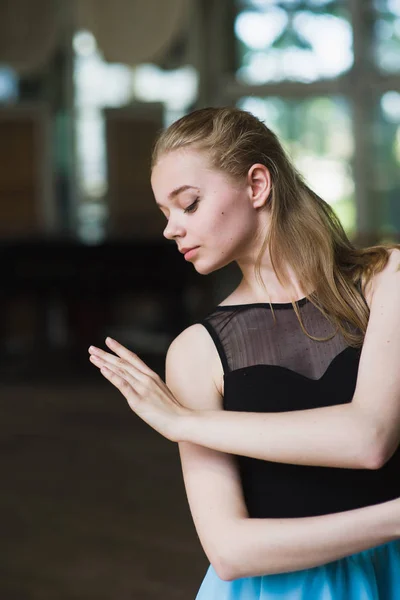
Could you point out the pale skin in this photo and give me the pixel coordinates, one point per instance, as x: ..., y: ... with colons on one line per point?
x: 228, y: 224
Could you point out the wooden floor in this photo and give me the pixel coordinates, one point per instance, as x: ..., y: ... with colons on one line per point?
x: 92, y: 502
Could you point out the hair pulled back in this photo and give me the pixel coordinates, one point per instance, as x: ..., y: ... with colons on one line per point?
x: 304, y: 232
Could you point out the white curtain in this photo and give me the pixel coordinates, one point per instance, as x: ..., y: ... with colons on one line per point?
x: 29, y: 31
x: 127, y: 31
x: 132, y: 31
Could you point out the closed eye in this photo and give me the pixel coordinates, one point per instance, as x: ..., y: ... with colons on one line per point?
x: 192, y: 207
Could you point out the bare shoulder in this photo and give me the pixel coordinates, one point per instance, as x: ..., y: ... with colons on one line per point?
x: 384, y: 277
x: 194, y: 369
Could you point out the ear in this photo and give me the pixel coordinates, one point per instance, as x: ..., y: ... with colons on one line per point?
x: 260, y: 184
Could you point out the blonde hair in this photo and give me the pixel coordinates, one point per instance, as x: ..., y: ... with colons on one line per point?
x: 304, y: 232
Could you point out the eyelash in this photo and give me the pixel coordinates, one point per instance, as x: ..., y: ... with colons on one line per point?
x: 192, y: 207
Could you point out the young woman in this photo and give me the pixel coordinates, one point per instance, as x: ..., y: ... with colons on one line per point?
x: 285, y: 400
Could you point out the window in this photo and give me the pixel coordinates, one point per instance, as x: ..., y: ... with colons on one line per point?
x: 387, y: 35
x: 387, y: 153
x: 292, y: 40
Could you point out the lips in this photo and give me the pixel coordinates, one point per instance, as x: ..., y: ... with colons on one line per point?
x: 187, y: 249
x: 190, y: 253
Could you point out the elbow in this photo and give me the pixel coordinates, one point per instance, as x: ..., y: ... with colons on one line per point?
x: 373, y: 464
x: 224, y: 569
x: 233, y: 557
x: 225, y: 574
x: 223, y: 563
x: 379, y: 460
x: 377, y: 449
x: 378, y: 456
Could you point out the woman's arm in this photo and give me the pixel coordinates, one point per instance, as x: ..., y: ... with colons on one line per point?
x: 229, y: 538
x: 236, y: 545
x: 361, y: 434
x: 331, y: 436
x: 264, y: 546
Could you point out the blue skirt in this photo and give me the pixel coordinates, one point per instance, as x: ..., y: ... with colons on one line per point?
x: 372, y: 574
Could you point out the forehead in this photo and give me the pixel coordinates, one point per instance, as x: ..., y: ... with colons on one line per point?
x: 178, y: 168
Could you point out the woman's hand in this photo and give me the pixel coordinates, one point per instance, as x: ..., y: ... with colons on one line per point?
x: 146, y: 393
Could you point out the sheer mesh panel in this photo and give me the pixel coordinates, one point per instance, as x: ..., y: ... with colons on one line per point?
x: 246, y: 335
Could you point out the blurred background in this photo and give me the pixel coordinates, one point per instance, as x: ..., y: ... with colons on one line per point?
x: 92, y: 503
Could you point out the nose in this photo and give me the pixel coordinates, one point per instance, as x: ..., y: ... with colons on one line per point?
x: 172, y: 230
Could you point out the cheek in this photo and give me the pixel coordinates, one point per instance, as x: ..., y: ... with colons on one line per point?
x: 230, y: 228
x: 220, y: 225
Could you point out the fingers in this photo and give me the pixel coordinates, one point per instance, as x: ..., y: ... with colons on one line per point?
x: 114, y: 372
x: 120, y: 382
x: 113, y: 365
x: 137, y: 382
x: 128, y: 357
x: 98, y: 357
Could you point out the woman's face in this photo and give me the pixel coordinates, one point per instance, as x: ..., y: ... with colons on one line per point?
x: 205, y: 209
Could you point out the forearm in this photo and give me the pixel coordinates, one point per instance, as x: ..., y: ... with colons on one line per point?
x: 334, y: 436
x: 267, y: 546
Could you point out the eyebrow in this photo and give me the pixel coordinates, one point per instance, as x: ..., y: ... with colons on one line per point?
x: 178, y: 191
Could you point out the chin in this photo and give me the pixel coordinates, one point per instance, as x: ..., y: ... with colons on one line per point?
x: 205, y: 269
